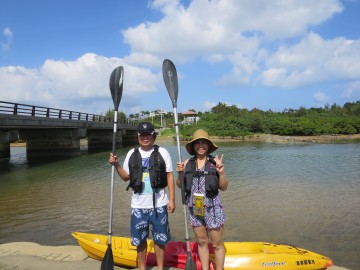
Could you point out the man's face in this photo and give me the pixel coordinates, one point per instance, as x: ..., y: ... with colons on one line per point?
x: 146, y: 140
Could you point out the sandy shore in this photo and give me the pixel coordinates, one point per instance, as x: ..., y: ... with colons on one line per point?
x: 298, y: 139
x: 268, y: 138
x: 32, y: 256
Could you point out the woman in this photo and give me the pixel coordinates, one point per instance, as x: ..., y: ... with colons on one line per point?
x: 204, y: 176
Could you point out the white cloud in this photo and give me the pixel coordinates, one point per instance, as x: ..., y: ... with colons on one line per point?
x: 243, y: 69
x: 7, y: 32
x: 143, y: 60
x: 62, y: 84
x: 224, y: 26
x: 313, y: 60
x: 321, y: 97
x: 8, y: 35
x: 238, y: 31
x: 352, y: 90
x: 243, y: 35
x: 21, y: 85
x: 208, y: 105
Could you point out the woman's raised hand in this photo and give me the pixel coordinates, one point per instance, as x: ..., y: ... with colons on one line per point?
x: 219, y: 164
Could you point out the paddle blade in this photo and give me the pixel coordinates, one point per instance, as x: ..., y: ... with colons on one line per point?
x: 190, y: 263
x: 108, y: 261
x: 171, y: 80
x: 116, y: 85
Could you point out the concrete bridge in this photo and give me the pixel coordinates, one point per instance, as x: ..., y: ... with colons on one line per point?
x: 50, y: 132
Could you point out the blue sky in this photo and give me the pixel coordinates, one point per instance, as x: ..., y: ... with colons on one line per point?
x: 250, y: 53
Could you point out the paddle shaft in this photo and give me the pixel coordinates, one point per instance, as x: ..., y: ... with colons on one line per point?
x: 171, y: 83
x: 187, y: 239
x: 112, y: 178
x: 116, y: 87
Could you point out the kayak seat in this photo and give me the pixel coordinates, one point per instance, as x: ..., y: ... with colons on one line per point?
x: 123, y: 243
x: 176, y: 248
x: 243, y: 247
x: 117, y: 243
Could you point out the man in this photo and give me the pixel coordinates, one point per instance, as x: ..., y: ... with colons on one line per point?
x: 149, y: 169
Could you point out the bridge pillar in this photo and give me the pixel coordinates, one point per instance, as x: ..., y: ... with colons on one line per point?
x: 129, y: 138
x: 5, y: 138
x: 101, y: 140
x: 51, y: 143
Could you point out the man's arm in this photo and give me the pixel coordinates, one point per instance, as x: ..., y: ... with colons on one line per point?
x: 120, y: 170
x: 171, y: 189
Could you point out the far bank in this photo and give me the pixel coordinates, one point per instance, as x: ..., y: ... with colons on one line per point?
x: 270, y: 138
x: 266, y: 138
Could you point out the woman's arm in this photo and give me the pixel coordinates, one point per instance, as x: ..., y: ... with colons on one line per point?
x: 223, y: 182
x: 180, y: 168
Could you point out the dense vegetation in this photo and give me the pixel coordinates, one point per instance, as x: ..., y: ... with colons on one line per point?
x: 232, y: 121
x: 121, y: 116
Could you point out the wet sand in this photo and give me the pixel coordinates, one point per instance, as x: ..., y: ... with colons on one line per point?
x: 269, y: 138
x: 32, y: 256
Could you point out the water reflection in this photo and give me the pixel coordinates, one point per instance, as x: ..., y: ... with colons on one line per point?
x: 305, y: 195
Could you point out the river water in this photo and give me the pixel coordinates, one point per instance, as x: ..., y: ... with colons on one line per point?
x: 306, y: 195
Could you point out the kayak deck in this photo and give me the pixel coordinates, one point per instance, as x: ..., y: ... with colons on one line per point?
x: 239, y: 255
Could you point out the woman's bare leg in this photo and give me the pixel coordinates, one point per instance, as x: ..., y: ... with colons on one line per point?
x: 203, y: 248
x: 216, y: 236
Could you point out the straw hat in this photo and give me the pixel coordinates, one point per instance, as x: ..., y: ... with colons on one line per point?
x: 200, y: 134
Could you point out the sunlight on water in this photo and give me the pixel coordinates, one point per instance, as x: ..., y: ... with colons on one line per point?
x: 305, y: 195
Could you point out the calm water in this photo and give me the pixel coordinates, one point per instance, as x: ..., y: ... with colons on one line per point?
x: 304, y: 195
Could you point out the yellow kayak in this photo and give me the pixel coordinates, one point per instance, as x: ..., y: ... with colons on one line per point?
x: 239, y: 255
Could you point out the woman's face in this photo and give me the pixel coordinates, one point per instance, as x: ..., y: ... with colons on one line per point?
x: 201, y: 147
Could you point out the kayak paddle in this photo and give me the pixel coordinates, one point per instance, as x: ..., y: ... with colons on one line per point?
x: 171, y: 83
x: 116, y: 88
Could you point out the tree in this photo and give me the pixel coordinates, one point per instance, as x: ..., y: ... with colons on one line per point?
x: 121, y: 115
x: 229, y: 120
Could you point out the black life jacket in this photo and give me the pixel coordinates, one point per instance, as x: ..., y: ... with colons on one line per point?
x: 211, y: 176
x: 157, y: 171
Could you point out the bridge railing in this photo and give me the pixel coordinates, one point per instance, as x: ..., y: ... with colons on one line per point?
x: 38, y: 111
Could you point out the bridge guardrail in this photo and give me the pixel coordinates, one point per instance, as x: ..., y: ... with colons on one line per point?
x: 39, y: 111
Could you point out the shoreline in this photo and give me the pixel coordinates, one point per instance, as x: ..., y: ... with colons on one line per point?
x: 266, y: 138
x: 32, y: 256
x: 299, y: 139
x: 270, y: 138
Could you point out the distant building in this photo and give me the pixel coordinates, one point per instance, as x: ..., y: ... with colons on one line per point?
x: 190, y: 117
